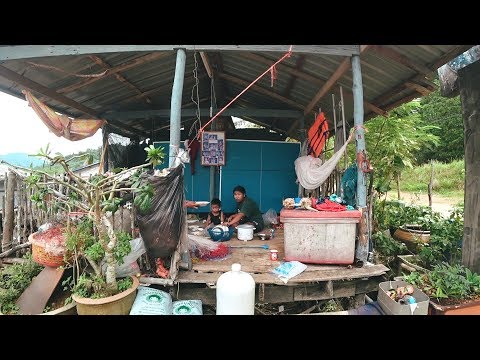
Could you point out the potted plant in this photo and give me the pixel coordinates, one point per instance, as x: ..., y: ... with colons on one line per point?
x: 93, y: 238
x: 453, y: 289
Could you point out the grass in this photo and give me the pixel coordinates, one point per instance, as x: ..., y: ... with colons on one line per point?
x: 448, y: 179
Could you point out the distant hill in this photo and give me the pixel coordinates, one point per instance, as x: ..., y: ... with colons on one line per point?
x: 21, y: 159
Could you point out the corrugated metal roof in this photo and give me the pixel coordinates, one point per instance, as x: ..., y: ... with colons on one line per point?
x: 391, y: 74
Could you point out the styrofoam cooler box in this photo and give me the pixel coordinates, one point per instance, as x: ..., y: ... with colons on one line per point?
x: 391, y: 307
x: 320, y: 237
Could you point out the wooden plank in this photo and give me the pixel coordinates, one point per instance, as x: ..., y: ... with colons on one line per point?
x: 35, y: 297
x: 339, y: 72
x: 165, y: 113
x: 9, y: 212
x: 418, y: 88
x: 320, y: 292
x: 30, y: 51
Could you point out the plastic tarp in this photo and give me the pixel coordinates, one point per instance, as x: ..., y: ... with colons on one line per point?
x: 163, y: 226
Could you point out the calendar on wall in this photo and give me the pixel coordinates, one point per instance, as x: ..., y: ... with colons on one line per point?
x: 213, y: 148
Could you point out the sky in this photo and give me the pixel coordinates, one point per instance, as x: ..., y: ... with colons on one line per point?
x: 22, y: 130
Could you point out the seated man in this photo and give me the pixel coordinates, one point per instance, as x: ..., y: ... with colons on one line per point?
x: 247, y: 211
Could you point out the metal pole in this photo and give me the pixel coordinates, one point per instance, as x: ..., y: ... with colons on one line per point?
x: 361, y: 250
x: 176, y: 106
x: 343, y: 120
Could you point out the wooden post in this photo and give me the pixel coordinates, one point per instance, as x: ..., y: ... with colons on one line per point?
x: 9, y: 211
x: 176, y: 106
x: 430, y: 187
x: 469, y: 85
x: 361, y: 250
x: 18, y: 224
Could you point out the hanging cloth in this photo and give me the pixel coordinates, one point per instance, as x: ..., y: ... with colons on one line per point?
x: 311, y: 173
x: 193, y: 147
x: 62, y: 125
x: 317, y: 135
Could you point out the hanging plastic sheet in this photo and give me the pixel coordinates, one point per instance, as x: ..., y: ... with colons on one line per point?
x: 164, y: 224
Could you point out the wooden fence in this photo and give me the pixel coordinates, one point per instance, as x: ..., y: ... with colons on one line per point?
x: 20, y: 216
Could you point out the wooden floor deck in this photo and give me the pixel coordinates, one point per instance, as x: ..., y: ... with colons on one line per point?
x: 316, y: 282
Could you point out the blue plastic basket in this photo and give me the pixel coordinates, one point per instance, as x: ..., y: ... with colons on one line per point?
x: 218, y: 234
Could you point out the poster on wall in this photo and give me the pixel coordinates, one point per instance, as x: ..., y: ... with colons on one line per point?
x: 213, y: 148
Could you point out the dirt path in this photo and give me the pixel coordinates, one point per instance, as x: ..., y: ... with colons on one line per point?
x: 441, y: 204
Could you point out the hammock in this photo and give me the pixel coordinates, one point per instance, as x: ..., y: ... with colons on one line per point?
x: 311, y: 173
x: 62, y: 125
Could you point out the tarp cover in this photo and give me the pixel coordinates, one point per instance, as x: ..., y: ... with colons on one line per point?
x: 163, y: 226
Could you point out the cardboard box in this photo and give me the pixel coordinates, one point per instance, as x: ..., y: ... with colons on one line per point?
x: 391, y: 307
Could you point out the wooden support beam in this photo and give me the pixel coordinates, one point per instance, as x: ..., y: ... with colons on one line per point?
x: 119, y: 77
x: 260, y: 90
x: 341, y: 70
x: 399, y: 58
x: 30, y: 51
x: 379, y: 101
x: 206, y: 63
x: 165, y: 113
x: 164, y: 87
x: 307, y: 77
x: 52, y: 94
x: 114, y: 70
x: 418, y: 88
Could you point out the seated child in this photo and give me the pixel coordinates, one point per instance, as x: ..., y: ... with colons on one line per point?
x: 215, y: 216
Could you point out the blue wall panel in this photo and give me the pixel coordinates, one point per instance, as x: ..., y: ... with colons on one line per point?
x: 265, y: 168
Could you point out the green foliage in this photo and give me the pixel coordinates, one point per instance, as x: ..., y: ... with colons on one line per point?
x: 445, y: 241
x: 395, y: 213
x: 393, y: 142
x: 449, y: 178
x: 143, y: 198
x: 447, y: 281
x: 111, y: 204
x: 388, y: 246
x: 155, y: 155
x: 14, y: 279
x: 446, y: 113
x: 122, y: 247
x: 95, y: 287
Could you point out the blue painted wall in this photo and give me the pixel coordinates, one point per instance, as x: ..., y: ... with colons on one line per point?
x: 264, y: 168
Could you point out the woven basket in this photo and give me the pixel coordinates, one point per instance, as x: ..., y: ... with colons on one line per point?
x: 40, y: 256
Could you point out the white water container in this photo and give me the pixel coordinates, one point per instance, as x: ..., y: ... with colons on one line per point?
x: 235, y: 292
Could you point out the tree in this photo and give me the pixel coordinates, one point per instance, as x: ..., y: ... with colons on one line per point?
x: 392, y: 142
x: 446, y: 113
x: 94, y: 239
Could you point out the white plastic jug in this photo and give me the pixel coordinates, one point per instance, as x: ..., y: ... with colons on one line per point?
x: 235, y: 292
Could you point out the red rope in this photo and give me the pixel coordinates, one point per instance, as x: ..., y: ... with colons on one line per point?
x: 288, y: 54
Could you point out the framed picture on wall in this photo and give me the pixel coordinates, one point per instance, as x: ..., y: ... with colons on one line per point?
x: 213, y: 148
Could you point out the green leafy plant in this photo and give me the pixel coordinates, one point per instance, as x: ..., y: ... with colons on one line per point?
x: 14, y: 279
x: 155, y: 155
x: 447, y: 281
x: 94, y: 239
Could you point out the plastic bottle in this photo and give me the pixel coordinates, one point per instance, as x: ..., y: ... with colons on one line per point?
x: 235, y: 292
